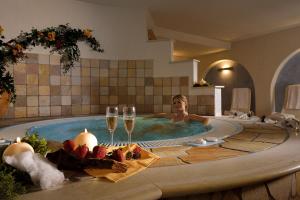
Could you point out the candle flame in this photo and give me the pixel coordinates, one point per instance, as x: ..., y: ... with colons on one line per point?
x: 18, y: 140
x: 85, y: 130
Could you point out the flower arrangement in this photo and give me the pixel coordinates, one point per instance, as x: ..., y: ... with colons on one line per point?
x: 61, y: 39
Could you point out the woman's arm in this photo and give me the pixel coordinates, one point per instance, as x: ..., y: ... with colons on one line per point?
x: 204, y: 120
x: 160, y: 115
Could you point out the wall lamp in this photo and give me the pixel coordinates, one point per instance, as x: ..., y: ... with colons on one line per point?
x: 225, y: 68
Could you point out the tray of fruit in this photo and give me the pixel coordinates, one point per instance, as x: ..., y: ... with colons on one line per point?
x: 102, y: 161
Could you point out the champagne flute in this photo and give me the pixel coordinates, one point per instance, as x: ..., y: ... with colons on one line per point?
x: 129, y: 119
x: 111, y: 121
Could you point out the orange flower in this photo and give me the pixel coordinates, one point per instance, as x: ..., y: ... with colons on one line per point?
x: 1, y: 30
x: 87, y: 33
x: 51, y: 36
x: 19, y: 48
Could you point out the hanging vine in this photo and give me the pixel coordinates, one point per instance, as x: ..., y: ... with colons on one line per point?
x: 61, y: 39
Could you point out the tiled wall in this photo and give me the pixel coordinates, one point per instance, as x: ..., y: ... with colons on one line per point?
x: 44, y: 90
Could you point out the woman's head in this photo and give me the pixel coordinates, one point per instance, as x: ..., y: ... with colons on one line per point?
x: 180, y: 103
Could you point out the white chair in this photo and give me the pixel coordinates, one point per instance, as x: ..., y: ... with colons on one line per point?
x: 292, y: 101
x: 241, y: 100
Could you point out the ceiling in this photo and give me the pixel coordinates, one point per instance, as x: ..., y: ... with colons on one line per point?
x: 224, y: 20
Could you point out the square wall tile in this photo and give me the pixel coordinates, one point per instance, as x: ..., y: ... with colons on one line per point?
x: 158, y: 109
x: 95, y: 109
x: 166, y: 108
x: 66, y: 110
x: 44, y: 100
x: 32, y: 111
x: 44, y: 80
x: 104, y: 100
x: 44, y: 111
x: 75, y: 71
x: 140, y: 64
x: 20, y: 67
x: 55, y: 110
x: 54, y: 80
x: 44, y: 90
x: 113, y: 100
x: 20, y: 89
x: 103, y: 72
x: 20, y: 78
x: 86, y: 91
x: 167, y: 82
x: 44, y: 69
x: 65, y: 100
x: 55, y: 100
x: 21, y: 101
x: 43, y: 59
x: 158, y: 82
x: 54, y: 90
x: 184, y: 81
x: 32, y: 79
x: 140, y: 81
x: 65, y: 80
x: 76, y: 109
x: 55, y: 70
x: 149, y: 64
x: 85, y: 109
x: 32, y: 90
x: 94, y: 63
x: 32, y: 68
x: 20, y: 112
x: 104, y: 64
x: 85, y: 62
x: 122, y: 64
x: 95, y: 72
x: 103, y: 81
x: 131, y: 63
x: 54, y: 60
x: 157, y: 100
x: 85, y: 71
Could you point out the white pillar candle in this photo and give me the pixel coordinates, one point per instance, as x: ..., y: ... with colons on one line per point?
x: 86, y: 138
x: 17, y: 148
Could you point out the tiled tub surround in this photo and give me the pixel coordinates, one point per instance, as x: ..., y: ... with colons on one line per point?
x: 43, y: 89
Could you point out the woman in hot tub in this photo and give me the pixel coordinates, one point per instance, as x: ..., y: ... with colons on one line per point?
x: 180, y: 105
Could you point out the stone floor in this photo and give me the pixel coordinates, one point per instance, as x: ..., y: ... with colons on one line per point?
x: 252, y: 139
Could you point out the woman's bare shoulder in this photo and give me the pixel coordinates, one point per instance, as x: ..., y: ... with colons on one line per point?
x: 204, y: 120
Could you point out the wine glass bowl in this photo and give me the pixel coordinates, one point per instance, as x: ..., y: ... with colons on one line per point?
x: 111, y: 120
x: 129, y: 120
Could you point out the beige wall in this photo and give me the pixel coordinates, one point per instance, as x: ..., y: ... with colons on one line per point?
x: 261, y: 56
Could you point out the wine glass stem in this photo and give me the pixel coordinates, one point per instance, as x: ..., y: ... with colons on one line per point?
x: 129, y: 139
x: 112, y: 138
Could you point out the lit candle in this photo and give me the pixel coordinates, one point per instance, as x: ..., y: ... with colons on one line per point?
x: 17, y: 148
x: 86, y: 138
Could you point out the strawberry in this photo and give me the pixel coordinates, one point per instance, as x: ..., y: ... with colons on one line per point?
x: 99, y: 152
x: 118, y: 155
x: 69, y: 146
x: 81, y: 151
x: 137, y: 152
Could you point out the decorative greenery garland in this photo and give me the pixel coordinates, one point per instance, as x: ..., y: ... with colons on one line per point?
x: 61, y: 39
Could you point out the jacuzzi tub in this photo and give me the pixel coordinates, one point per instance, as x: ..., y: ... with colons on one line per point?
x: 219, y: 128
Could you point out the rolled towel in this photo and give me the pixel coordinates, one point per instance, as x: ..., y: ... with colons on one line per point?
x: 41, y: 171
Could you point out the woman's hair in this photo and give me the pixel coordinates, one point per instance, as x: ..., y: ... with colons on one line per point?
x: 182, y: 98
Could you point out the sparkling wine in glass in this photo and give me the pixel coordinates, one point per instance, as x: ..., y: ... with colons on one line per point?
x: 111, y: 121
x: 129, y: 119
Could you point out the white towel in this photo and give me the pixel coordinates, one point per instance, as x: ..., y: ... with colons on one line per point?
x: 292, y: 98
x: 241, y: 99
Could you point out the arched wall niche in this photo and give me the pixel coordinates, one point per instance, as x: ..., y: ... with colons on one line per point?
x: 230, y: 74
x: 287, y: 73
